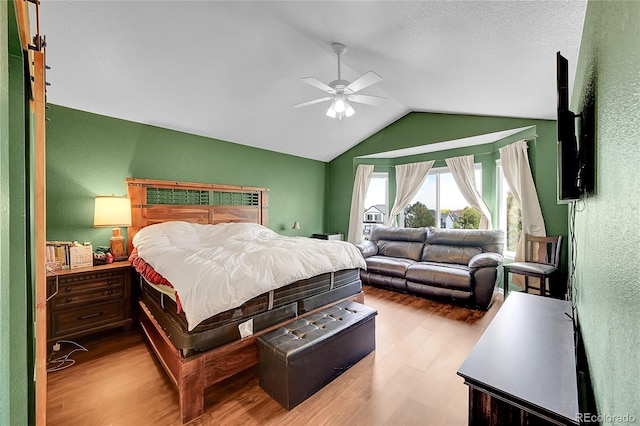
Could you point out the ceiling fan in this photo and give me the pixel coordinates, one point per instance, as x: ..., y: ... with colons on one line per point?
x: 342, y: 92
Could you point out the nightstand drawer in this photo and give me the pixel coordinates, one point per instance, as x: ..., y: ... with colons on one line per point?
x: 86, y: 282
x: 73, y: 320
x: 88, y: 300
x: 66, y: 299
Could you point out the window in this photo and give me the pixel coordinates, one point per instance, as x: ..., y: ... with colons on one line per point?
x: 376, y: 202
x: 510, y: 217
x: 440, y: 203
x: 373, y: 217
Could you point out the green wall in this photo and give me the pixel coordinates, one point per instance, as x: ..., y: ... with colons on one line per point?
x: 5, y: 290
x: 16, y: 388
x: 89, y: 155
x: 417, y: 129
x: 607, y: 287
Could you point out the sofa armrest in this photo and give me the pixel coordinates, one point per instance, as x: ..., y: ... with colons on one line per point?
x: 484, y: 260
x: 485, y: 270
x: 367, y: 248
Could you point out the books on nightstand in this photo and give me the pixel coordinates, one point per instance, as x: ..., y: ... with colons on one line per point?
x: 68, y: 255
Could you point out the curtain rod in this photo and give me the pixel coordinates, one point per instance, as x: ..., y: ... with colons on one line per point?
x: 534, y: 137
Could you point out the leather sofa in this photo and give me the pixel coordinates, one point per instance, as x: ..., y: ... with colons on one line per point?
x: 459, y: 265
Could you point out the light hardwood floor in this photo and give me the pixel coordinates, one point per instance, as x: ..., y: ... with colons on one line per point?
x: 410, y: 379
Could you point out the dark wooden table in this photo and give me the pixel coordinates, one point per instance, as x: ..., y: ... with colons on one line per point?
x: 523, y: 368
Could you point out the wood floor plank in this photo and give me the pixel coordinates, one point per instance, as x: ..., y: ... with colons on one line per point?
x: 409, y: 379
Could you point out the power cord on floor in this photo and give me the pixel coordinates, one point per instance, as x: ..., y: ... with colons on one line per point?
x: 64, y: 361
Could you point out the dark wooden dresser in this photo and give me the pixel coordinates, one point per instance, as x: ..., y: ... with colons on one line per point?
x: 522, y: 371
x: 88, y: 300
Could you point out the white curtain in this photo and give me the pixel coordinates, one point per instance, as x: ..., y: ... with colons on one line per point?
x: 409, y: 179
x: 360, y: 187
x: 463, y: 171
x: 517, y: 172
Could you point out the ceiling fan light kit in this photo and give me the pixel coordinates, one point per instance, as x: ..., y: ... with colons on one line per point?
x: 340, y: 108
x: 342, y: 92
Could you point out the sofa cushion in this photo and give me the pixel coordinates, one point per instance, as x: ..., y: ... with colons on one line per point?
x: 449, y: 253
x: 399, y: 242
x: 460, y: 245
x: 398, y: 234
x: 487, y: 240
x: 404, y: 249
x: 384, y: 281
x: 434, y: 274
x: 388, y: 265
x: 438, y: 292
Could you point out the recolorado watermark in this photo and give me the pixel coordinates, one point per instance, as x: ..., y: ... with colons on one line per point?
x: 606, y: 418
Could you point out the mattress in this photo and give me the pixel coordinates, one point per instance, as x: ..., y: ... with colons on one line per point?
x: 254, y: 315
x: 214, y: 268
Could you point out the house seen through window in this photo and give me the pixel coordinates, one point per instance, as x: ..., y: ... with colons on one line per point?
x: 373, y: 216
x: 376, y: 202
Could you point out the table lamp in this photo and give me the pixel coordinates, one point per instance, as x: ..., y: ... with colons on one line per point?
x: 296, y: 227
x: 114, y: 212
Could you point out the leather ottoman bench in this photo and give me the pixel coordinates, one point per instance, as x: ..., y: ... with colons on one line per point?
x: 297, y: 360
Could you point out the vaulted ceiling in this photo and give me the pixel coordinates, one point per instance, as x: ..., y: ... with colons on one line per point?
x: 231, y: 70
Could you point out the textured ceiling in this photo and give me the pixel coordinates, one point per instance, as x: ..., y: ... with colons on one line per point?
x: 231, y: 70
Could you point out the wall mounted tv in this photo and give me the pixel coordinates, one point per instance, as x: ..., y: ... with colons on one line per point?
x: 576, y: 148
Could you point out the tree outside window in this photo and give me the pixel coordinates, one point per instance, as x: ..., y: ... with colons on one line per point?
x: 440, y: 203
x: 417, y: 215
x: 514, y: 223
x: 510, y: 219
x: 470, y: 219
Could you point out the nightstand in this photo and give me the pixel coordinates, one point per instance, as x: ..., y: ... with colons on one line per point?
x: 88, y: 300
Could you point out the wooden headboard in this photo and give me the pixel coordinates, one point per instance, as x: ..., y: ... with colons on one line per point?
x: 156, y: 201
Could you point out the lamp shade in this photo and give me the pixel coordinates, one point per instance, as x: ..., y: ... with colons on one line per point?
x: 112, y: 211
x: 296, y: 225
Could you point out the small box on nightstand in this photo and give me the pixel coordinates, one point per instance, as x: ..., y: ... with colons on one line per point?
x: 330, y: 236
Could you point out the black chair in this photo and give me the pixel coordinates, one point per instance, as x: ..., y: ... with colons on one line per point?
x: 542, y: 257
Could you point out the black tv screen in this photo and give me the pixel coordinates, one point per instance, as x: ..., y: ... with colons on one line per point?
x: 587, y: 144
x: 569, y: 187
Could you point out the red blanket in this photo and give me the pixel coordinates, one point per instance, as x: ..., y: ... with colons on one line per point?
x: 150, y: 274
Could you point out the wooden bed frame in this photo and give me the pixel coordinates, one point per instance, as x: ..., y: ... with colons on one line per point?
x: 193, y: 202
x: 206, y: 204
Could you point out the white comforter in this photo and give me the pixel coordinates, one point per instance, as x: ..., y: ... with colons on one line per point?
x: 214, y: 268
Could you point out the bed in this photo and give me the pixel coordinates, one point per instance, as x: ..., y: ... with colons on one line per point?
x: 198, y: 354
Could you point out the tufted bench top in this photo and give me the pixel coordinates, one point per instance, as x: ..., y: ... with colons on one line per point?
x: 291, y: 341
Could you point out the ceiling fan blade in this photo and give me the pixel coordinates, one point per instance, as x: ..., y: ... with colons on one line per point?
x: 320, y: 85
x: 367, y: 99
x: 315, y: 101
x: 364, y: 81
